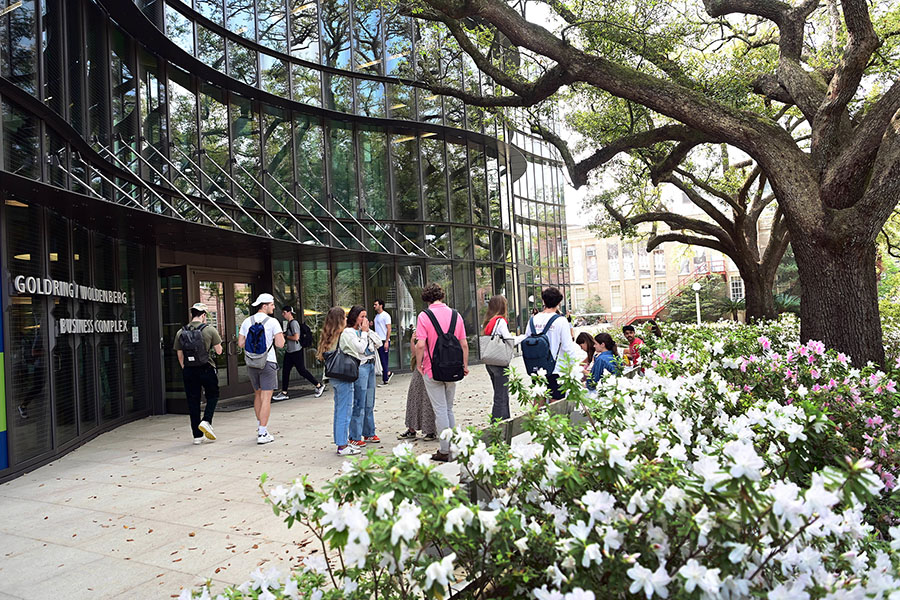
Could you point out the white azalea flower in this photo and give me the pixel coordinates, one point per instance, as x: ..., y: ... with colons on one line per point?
x: 457, y: 519
x: 649, y: 582
x: 439, y: 572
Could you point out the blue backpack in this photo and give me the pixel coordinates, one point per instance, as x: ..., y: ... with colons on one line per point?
x: 255, y: 348
x: 536, y: 349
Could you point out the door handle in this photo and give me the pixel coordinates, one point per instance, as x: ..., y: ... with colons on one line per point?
x: 232, y: 347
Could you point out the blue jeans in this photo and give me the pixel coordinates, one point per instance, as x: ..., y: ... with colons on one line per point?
x: 362, y: 423
x: 343, y: 403
x: 384, y: 357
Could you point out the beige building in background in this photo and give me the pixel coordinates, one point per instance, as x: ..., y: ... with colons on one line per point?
x: 624, y: 276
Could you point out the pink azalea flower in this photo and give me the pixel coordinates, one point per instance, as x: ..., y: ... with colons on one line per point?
x: 889, y: 480
x: 891, y: 386
x: 842, y: 358
x: 764, y: 342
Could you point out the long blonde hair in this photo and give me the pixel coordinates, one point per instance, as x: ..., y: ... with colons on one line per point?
x: 496, y: 306
x: 334, y: 325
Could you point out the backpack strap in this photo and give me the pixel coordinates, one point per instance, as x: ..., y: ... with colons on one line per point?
x: 434, y: 321
x: 549, y: 323
x: 452, y: 328
x: 531, y: 325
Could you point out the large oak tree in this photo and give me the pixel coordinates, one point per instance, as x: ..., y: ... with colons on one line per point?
x: 835, y: 190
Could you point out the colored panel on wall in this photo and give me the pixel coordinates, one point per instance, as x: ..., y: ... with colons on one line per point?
x: 4, y: 454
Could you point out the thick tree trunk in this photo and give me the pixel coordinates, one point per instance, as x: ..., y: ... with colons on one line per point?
x: 839, y: 305
x: 759, y: 301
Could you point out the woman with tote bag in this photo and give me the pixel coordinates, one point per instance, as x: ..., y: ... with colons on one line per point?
x: 496, y: 352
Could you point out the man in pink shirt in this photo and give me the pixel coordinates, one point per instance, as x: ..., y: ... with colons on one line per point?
x: 440, y: 393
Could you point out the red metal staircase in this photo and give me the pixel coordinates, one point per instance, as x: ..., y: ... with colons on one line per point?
x: 650, y: 311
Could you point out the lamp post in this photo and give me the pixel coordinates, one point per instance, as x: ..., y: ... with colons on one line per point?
x: 696, y: 287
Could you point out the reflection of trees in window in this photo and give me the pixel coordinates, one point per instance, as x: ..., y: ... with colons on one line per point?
x: 483, y: 243
x: 464, y: 298
x: 308, y: 152
x: 239, y: 18
x: 245, y: 138
x: 370, y: 98
x: 53, y: 53
x: 242, y: 63
x: 338, y: 93
x: 183, y: 127
x: 493, y: 188
x: 462, y: 242
x: 272, y: 24
x: 274, y: 74
x: 348, y: 286
x: 277, y: 146
x: 211, y: 48
x: 373, y: 159
x: 435, y: 175
x: 211, y: 9
x: 471, y: 80
x: 398, y: 41
x: 483, y: 290
x: 305, y: 30
x: 214, y: 141
x: 437, y: 241
x: 315, y: 293
x: 368, y: 54
x: 342, y: 168
x: 400, y: 101
x: 405, y: 164
x: 18, y: 36
x: 20, y: 136
x: 478, y: 184
x: 179, y: 29
x: 459, y: 183
x: 336, y: 33
x: 409, y: 303
x: 305, y: 84
x: 124, y: 97
x: 97, y: 75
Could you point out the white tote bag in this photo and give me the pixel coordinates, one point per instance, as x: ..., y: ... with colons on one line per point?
x: 495, y: 350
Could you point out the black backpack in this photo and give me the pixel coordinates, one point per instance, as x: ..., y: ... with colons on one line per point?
x: 196, y: 353
x: 447, y: 357
x: 306, y: 337
x: 536, y: 349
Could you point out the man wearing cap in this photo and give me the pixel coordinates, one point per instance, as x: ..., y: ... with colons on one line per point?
x: 201, y: 376
x: 293, y: 356
x: 264, y: 380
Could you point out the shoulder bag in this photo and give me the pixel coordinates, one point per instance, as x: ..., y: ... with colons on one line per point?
x: 340, y: 366
x: 495, y: 350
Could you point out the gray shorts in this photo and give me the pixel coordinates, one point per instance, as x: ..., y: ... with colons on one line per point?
x: 264, y: 379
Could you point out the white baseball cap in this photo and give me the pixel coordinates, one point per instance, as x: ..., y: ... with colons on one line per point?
x: 201, y: 307
x: 263, y: 299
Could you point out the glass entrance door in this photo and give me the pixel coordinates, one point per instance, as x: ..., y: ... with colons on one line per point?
x: 228, y: 299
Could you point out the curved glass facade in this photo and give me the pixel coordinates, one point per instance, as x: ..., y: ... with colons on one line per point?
x: 284, y: 143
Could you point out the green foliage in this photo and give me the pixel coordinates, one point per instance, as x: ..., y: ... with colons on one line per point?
x: 713, y: 302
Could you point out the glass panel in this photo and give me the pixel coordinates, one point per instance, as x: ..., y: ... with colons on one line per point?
x: 124, y: 98
x: 214, y: 141
x: 373, y: 159
x: 464, y: 298
x: 400, y: 100
x: 430, y: 107
x: 437, y: 240
x: 483, y: 243
x: 243, y: 293
x: 348, y: 288
x: 242, y: 63
x: 53, y: 44
x: 20, y: 136
x: 435, y: 176
x: 477, y: 176
x: 134, y: 356
x: 336, y: 33
x: 370, y: 98
x: 184, y: 127
x: 108, y: 361
x: 153, y: 115
x: 304, y: 30
x: 97, y: 73
x: 179, y: 29
x: 211, y: 48
x: 239, y: 18
x: 398, y: 41
x: 310, y: 169
x: 84, y: 344
x: 75, y: 64
x: 462, y: 242
x: 211, y: 9
x: 274, y: 74
x: 315, y: 298
x: 459, y: 183
x: 18, y: 37
x: 409, y: 304
x: 338, y: 92
x: 343, y: 168
x: 277, y: 142
x: 26, y: 356
x: 272, y: 24
x: 368, y: 56
x: 212, y: 294
x: 380, y: 284
x: 406, y: 176
x: 305, y: 85
x: 62, y: 357
x: 483, y: 292
x: 245, y: 144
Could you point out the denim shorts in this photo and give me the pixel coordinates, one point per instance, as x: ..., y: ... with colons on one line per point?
x: 264, y: 379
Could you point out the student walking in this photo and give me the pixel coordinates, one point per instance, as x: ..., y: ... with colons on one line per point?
x: 383, y: 329
x: 259, y: 335
x: 297, y: 337
x: 419, y: 414
x: 441, y: 364
x: 549, y: 339
x: 495, y: 324
x: 194, y: 346
x: 330, y: 340
x: 358, y: 340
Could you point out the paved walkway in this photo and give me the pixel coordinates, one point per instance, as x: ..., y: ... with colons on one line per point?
x: 142, y: 512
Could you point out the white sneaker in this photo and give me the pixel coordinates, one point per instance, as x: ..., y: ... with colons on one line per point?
x: 348, y: 450
x: 197, y: 441
x: 281, y: 396
x: 320, y: 390
x: 264, y: 438
x: 206, y: 428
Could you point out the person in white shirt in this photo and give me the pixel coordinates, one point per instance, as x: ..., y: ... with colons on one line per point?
x: 383, y: 329
x: 559, y: 335
x: 358, y: 340
x: 264, y: 380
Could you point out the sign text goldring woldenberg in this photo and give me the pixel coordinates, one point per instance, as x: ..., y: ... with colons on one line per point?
x: 67, y: 289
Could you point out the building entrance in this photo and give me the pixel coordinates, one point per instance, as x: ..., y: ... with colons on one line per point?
x: 228, y: 297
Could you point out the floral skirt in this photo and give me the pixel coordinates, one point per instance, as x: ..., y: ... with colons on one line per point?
x: 419, y: 414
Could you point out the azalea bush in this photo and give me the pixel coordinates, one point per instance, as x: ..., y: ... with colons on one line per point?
x: 718, y: 474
